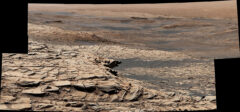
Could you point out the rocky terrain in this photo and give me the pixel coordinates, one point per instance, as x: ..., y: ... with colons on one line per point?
x: 68, y: 78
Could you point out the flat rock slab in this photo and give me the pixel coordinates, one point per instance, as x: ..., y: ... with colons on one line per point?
x: 15, y: 107
x: 85, y: 85
x: 6, y: 99
x: 91, y: 76
x: 28, y: 82
x: 62, y: 83
x: 79, y: 84
x: 18, y: 105
x: 35, y: 91
x: 23, y: 100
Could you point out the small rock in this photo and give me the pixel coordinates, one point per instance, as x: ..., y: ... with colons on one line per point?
x: 176, y: 99
x: 74, y: 104
x: 114, y: 72
x: 31, y: 73
x: 115, y: 98
x: 210, y: 98
x: 52, y: 89
x: 171, y: 94
x: 85, y: 107
x: 112, y: 63
x: 44, y: 106
x: 197, y: 98
x: 73, y: 54
x: 109, y: 86
x: 149, y: 95
x: 32, y: 53
x: 96, y: 108
x: 67, y: 89
x: 107, y: 62
x: 38, y: 47
x: 134, y: 93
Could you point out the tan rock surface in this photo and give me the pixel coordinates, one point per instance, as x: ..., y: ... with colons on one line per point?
x: 96, y: 84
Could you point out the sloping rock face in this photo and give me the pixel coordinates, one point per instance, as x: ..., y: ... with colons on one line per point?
x: 64, y: 78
